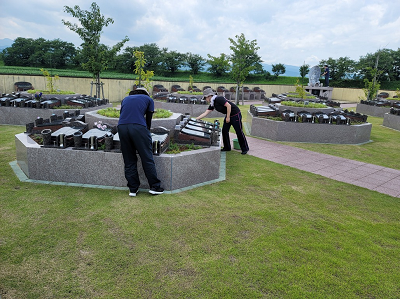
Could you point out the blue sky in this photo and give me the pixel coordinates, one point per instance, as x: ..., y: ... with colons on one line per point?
x: 288, y: 32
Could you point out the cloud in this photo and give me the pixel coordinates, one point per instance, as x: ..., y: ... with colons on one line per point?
x: 287, y: 31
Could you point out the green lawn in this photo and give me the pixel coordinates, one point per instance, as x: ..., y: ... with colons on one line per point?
x: 267, y: 231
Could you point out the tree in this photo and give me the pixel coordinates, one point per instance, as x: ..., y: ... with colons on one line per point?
x: 339, y: 68
x: 195, y: 62
x: 218, y: 65
x: 96, y: 56
x: 387, y: 66
x: 143, y: 77
x: 20, y: 52
x: 278, y: 69
x: 258, y: 68
x: 243, y: 59
x: 40, y: 52
x: 172, y: 60
x: 304, y: 69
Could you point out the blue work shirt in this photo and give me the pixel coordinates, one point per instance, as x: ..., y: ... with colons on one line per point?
x: 134, y: 108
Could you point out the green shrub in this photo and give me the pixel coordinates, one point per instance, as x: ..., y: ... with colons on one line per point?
x: 301, y: 104
x: 113, y: 112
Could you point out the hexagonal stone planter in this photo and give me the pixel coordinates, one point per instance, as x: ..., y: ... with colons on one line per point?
x: 176, y: 171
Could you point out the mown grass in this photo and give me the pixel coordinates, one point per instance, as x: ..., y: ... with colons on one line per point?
x: 177, y: 77
x: 267, y: 231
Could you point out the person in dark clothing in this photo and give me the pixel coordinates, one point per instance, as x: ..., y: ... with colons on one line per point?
x: 233, y: 118
x: 326, y: 74
x: 134, y: 135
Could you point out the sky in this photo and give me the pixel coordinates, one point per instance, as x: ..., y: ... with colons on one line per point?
x: 290, y: 32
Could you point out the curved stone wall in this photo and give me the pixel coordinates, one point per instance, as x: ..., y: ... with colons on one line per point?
x: 308, y: 132
x: 391, y: 121
x: 372, y: 110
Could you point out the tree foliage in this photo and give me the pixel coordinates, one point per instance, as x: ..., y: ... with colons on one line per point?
x: 219, y: 66
x: 40, y: 52
x: 195, y: 62
x: 172, y: 60
x: 143, y: 76
x: 278, y: 69
x: 96, y: 56
x: 339, y: 69
x: 303, y: 70
x: 243, y: 58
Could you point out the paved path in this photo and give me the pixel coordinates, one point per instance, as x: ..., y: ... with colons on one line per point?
x: 378, y: 178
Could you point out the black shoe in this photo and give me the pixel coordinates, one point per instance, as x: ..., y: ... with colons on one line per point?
x: 244, y: 152
x: 225, y: 150
x: 156, y: 190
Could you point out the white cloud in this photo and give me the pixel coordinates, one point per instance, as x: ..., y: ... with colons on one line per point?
x: 287, y: 31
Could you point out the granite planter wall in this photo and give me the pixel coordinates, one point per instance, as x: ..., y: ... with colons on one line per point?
x: 168, y: 123
x: 22, y: 116
x: 308, y: 132
x: 391, y: 121
x: 107, y: 168
x: 372, y: 110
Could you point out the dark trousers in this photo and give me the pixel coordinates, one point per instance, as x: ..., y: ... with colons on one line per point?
x: 134, y: 137
x: 236, y: 122
x: 326, y: 81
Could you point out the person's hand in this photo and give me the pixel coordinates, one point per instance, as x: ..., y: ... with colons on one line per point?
x: 227, y: 119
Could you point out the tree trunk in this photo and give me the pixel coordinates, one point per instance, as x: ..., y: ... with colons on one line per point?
x: 237, y: 94
x: 98, y: 86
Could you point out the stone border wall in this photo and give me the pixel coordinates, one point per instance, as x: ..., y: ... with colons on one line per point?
x: 391, y: 121
x: 308, y: 132
x: 372, y: 110
x: 22, y: 116
x: 107, y: 168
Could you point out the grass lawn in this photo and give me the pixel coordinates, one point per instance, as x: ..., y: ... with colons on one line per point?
x: 267, y: 231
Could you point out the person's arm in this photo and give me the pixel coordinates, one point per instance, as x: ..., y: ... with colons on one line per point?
x: 204, y: 114
x: 149, y: 116
x: 228, y: 112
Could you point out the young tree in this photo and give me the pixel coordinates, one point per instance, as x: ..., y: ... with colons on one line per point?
x: 96, y: 56
x: 243, y: 59
x: 143, y: 77
x: 304, y: 69
x: 278, y: 69
x: 218, y: 65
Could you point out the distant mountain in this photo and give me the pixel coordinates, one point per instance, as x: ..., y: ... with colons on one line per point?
x: 291, y: 70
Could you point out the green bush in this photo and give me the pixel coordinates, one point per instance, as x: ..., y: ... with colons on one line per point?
x: 113, y: 112
x: 301, y: 104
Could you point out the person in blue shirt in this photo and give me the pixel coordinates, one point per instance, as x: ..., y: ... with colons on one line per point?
x: 326, y: 74
x: 134, y: 134
x: 233, y: 118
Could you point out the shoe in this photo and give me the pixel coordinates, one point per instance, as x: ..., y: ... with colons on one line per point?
x: 244, y: 152
x: 133, y: 194
x: 156, y: 190
x: 225, y: 150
